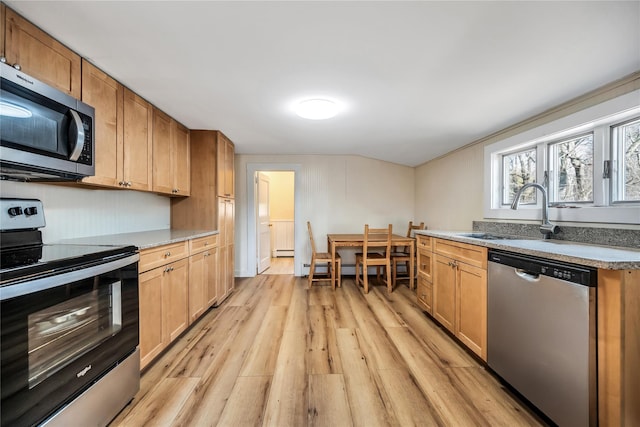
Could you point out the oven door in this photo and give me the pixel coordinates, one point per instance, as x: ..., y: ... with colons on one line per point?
x: 61, y: 333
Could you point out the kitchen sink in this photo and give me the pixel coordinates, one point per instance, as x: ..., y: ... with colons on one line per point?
x: 488, y: 236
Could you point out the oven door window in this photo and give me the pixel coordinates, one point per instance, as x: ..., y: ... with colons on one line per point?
x: 59, y: 334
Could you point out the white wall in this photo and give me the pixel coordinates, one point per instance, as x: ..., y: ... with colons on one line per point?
x: 72, y: 211
x: 338, y: 194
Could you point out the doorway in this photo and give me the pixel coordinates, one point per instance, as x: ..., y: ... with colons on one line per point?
x: 275, y: 221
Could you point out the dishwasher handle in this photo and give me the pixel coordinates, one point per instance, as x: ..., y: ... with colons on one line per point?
x: 527, y: 275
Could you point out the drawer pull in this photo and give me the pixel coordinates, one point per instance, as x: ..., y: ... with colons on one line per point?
x: 168, y: 254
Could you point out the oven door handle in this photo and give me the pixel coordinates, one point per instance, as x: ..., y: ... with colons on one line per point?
x: 36, y: 285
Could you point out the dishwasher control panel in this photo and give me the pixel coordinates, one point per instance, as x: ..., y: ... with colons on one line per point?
x: 540, y: 266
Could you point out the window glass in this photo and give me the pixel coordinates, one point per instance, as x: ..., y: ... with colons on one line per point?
x: 626, y: 171
x: 518, y: 169
x: 571, y: 169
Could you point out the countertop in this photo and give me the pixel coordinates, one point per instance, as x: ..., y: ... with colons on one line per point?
x: 142, y: 239
x: 606, y: 257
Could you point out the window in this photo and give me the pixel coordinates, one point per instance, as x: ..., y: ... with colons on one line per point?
x: 625, y: 180
x: 589, y: 161
x: 571, y: 170
x: 518, y: 169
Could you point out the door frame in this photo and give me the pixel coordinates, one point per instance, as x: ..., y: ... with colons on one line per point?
x: 252, y: 212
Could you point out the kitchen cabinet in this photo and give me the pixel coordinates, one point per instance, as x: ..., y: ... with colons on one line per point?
x: 163, y: 289
x: 40, y: 55
x: 204, y: 209
x: 226, y: 212
x: 460, y: 292
x: 170, y: 156
x: 202, y: 275
x: 137, y: 143
x: 106, y: 95
x: 424, y: 256
x: 3, y: 24
x: 225, y: 167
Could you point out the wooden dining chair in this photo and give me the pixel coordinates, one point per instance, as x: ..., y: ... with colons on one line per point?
x: 402, y: 255
x: 376, y: 251
x: 323, y: 258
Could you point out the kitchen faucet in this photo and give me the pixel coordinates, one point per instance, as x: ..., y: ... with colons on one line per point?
x: 546, y: 228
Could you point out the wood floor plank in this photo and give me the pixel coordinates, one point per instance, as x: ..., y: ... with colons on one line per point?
x: 497, y: 406
x: 328, y: 405
x: 364, y: 395
x: 264, y: 351
x: 160, y: 407
x: 288, y: 396
x: 410, y: 405
x: 323, y: 356
x: 246, y: 403
x: 451, y: 406
x: 321, y: 295
x: 384, y: 312
x: 281, y: 289
x: 205, y: 405
x: 297, y: 317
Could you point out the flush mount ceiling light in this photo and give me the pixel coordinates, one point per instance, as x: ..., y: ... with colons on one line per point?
x: 317, y: 109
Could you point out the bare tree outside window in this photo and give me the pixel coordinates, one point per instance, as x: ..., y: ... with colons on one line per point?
x: 571, y: 164
x: 627, y: 176
x: 518, y: 169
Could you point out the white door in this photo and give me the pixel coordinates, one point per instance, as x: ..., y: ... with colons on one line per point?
x: 264, y: 228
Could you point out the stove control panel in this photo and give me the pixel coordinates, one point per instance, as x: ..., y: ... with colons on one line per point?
x: 21, y: 214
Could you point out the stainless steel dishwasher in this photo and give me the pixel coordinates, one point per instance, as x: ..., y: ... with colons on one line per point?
x: 542, y: 334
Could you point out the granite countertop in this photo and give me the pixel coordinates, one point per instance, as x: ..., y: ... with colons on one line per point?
x: 142, y: 239
x: 597, y: 256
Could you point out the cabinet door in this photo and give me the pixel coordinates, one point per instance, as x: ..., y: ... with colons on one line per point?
x: 3, y: 14
x: 137, y: 142
x: 225, y: 166
x: 181, y: 160
x: 444, y: 292
x: 41, y: 56
x: 106, y: 96
x: 425, y: 264
x: 161, y: 153
x: 472, y: 308
x: 175, y: 298
x: 211, y: 276
x: 151, y: 302
x: 223, y: 266
x: 197, y: 285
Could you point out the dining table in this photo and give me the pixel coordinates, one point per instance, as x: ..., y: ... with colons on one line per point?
x: 335, y: 241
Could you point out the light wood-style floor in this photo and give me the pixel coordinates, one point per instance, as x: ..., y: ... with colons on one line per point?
x: 278, y: 354
x: 280, y: 265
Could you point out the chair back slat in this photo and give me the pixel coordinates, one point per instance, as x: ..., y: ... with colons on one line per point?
x: 377, y: 237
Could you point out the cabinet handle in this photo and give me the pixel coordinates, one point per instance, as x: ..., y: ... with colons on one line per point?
x: 122, y: 184
x: 168, y: 254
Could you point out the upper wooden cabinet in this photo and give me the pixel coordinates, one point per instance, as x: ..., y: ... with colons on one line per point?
x: 106, y: 96
x: 40, y: 55
x: 137, y: 142
x: 225, y: 166
x: 171, y: 174
x: 3, y: 14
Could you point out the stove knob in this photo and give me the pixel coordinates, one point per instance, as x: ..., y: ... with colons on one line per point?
x: 32, y: 210
x: 15, y: 211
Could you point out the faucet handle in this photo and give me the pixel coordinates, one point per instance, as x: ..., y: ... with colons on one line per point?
x: 548, y: 229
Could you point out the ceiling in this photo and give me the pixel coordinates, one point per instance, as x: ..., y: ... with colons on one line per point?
x: 416, y: 79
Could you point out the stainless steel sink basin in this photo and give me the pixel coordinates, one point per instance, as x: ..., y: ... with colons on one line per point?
x: 487, y: 236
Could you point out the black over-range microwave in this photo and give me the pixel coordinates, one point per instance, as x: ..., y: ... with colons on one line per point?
x: 45, y: 134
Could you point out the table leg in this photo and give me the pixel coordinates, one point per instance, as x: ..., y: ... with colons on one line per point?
x: 332, y: 245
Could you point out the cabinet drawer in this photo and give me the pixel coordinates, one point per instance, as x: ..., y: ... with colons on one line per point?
x: 425, y: 264
x: 424, y: 294
x: 161, y: 255
x: 469, y: 254
x: 424, y: 242
x: 203, y: 243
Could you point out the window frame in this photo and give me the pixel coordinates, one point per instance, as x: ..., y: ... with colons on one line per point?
x: 599, y: 120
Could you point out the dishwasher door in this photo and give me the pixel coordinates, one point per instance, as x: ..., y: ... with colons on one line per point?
x: 542, y: 334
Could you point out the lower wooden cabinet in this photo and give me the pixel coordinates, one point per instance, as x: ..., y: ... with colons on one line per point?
x: 203, y: 289
x: 163, y: 295
x: 457, y: 297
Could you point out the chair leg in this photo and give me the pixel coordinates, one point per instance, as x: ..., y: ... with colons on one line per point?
x: 312, y: 269
x: 357, y: 273
x: 389, y: 284
x: 339, y: 262
x: 365, y: 277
